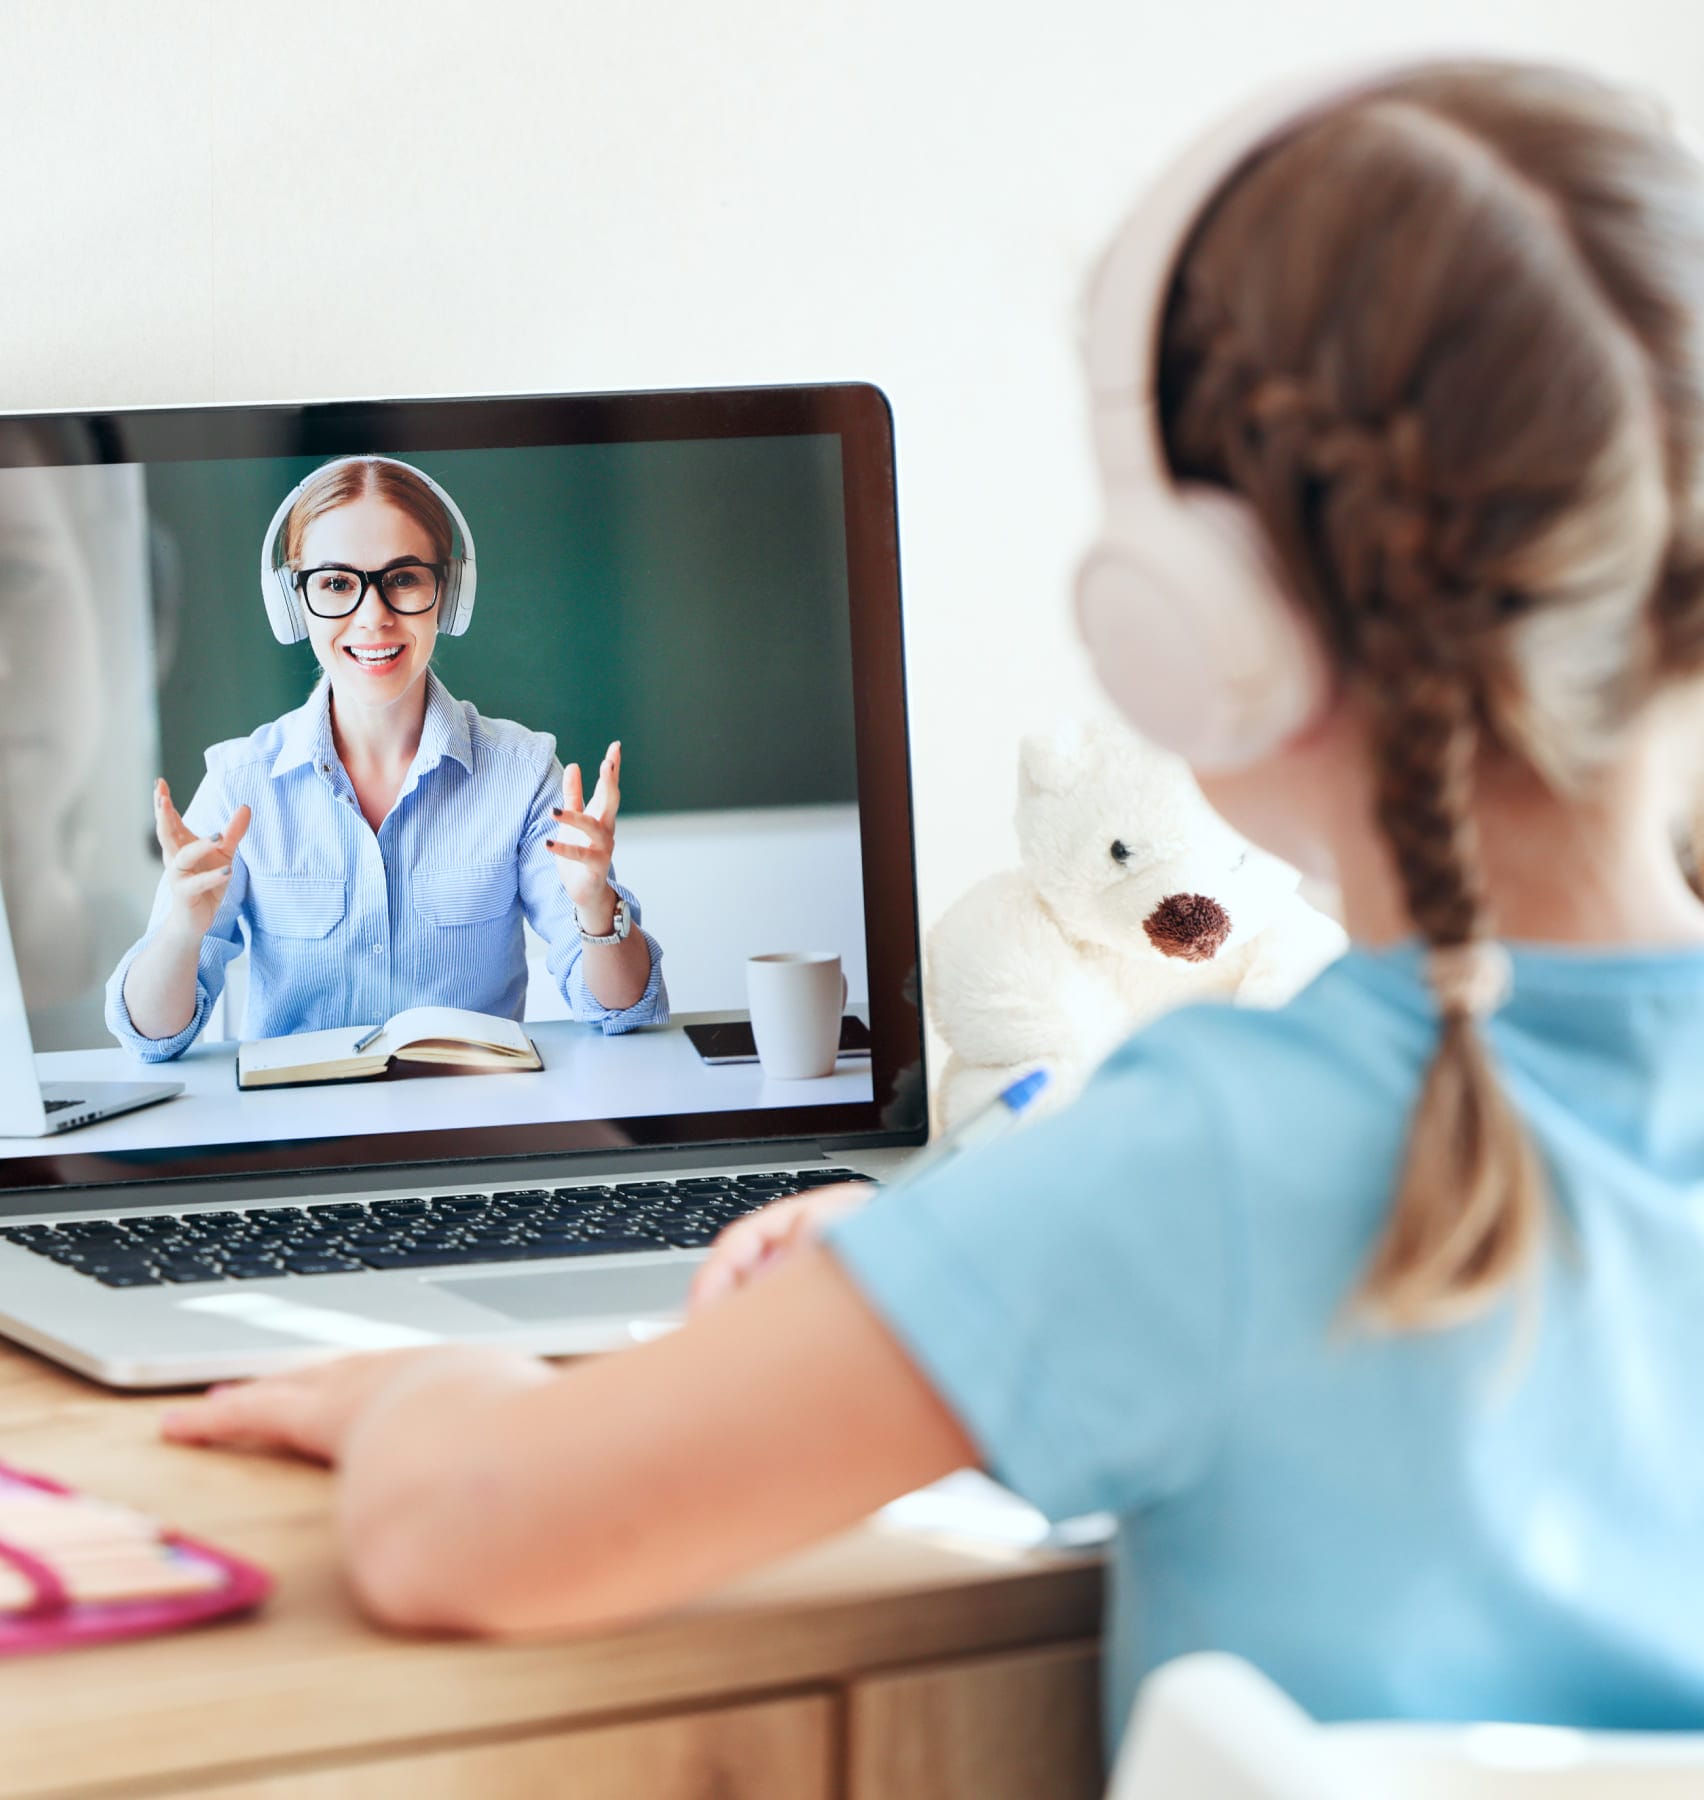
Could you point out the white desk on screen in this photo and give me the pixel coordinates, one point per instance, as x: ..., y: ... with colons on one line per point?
x: 586, y: 1076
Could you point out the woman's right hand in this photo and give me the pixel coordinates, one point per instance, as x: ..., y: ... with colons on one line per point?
x: 761, y: 1239
x: 197, y: 869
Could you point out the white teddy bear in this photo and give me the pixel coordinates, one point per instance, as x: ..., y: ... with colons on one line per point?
x: 1134, y: 897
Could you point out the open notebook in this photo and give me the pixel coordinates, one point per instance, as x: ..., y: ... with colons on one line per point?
x: 446, y: 1036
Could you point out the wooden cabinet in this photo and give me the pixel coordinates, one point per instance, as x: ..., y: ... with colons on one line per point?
x: 782, y: 1747
x: 1023, y: 1726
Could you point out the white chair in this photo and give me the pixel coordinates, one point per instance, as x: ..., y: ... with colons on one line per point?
x: 1212, y: 1727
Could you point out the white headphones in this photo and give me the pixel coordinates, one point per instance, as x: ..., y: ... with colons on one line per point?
x: 1180, y: 601
x: 284, y: 610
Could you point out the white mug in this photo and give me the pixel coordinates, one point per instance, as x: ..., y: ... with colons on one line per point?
x: 796, y: 1000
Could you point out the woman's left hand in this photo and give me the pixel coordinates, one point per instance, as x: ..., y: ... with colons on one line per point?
x: 306, y: 1412
x: 584, y: 867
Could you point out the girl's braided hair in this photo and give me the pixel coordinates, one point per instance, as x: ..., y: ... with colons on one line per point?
x: 1446, y: 340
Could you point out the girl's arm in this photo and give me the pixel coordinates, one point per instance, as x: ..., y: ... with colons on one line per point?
x: 482, y: 1492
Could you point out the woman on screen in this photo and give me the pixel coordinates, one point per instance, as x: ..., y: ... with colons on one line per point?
x: 380, y: 846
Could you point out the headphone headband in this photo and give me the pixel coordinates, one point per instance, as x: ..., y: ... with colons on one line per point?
x: 278, y: 590
x: 1130, y: 288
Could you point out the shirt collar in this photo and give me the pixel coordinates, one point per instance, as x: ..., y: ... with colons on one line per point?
x: 444, y: 732
x: 307, y: 731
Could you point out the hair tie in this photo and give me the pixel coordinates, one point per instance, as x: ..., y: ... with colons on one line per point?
x: 1474, y: 978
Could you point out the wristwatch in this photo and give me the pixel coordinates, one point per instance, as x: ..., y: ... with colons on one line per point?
x: 617, y: 932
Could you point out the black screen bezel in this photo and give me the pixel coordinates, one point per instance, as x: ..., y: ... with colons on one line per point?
x: 859, y: 414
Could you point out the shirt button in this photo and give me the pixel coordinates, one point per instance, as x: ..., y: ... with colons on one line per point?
x: 378, y: 949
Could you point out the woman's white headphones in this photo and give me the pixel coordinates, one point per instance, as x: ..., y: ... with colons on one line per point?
x: 1180, y: 600
x: 284, y: 610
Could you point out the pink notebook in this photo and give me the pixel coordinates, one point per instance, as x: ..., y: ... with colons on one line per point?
x: 74, y: 1570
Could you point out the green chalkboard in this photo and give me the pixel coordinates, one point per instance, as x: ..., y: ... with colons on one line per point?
x: 688, y: 598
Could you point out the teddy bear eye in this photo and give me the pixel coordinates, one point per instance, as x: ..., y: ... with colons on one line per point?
x: 1120, y: 851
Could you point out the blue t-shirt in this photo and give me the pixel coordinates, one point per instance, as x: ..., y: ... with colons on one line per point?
x: 1139, y: 1306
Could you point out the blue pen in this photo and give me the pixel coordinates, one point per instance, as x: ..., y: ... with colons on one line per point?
x: 982, y: 1127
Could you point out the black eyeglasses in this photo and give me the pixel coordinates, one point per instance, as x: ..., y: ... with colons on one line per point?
x: 335, y: 590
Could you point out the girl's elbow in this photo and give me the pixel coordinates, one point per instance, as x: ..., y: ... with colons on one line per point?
x: 407, y: 1580
x: 409, y: 1573
x: 406, y: 1587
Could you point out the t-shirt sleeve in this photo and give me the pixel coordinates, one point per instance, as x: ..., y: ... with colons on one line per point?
x: 1068, y: 1291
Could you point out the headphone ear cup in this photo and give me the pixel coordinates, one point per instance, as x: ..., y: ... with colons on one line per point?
x: 284, y: 610
x: 449, y: 602
x: 455, y: 610
x: 283, y: 607
x: 1192, y: 631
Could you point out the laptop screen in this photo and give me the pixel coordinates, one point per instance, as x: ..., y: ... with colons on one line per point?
x: 212, y: 622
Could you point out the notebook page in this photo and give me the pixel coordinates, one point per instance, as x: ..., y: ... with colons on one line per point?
x: 303, y: 1049
x: 420, y: 1023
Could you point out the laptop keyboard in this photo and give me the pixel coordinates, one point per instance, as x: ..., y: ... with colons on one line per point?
x: 58, y: 1105
x: 440, y: 1231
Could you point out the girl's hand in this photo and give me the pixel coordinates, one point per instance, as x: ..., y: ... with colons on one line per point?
x: 308, y: 1412
x: 198, y: 870
x: 763, y: 1238
x: 584, y: 867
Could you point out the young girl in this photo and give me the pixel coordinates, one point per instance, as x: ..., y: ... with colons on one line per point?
x: 1378, y: 1320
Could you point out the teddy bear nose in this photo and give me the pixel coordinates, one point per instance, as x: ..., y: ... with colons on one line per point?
x: 1188, y: 925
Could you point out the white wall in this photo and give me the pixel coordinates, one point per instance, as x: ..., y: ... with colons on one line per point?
x: 208, y: 200
x: 718, y: 887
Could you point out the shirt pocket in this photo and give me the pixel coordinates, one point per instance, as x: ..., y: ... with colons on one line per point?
x: 466, y: 893
x: 297, y: 906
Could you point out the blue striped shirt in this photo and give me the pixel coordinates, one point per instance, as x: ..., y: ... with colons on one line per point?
x: 346, y: 926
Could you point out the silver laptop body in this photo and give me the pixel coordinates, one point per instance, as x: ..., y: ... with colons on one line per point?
x: 180, y: 1335
x: 30, y: 1107
x: 150, y: 1179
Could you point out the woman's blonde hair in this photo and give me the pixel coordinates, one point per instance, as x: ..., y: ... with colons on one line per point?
x: 357, y: 478
x: 1446, y: 340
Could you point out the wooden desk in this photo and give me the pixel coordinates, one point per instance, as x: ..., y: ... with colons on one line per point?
x: 877, y: 1667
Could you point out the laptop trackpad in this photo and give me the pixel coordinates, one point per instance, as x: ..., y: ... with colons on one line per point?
x: 578, y: 1293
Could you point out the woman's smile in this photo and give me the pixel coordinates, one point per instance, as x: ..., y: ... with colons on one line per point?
x: 374, y: 659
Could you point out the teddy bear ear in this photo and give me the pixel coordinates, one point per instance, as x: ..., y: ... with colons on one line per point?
x: 1124, y: 747
x: 1046, y: 762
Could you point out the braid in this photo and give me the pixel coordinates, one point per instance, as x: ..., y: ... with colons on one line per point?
x: 1424, y: 742
x: 1470, y: 1200
x: 1353, y: 504
x: 1679, y: 610
x: 1384, y: 562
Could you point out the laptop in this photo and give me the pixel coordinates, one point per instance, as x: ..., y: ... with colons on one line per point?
x: 710, y: 577
x: 30, y: 1107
